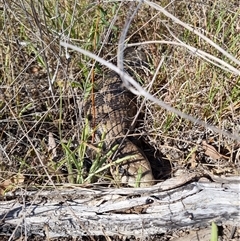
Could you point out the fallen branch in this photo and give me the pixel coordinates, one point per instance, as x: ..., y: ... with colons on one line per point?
x: 181, y: 202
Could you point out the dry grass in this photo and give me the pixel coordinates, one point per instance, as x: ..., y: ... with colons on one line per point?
x: 196, y: 87
x: 43, y: 85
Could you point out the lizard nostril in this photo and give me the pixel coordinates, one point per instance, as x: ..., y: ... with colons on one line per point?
x: 89, y: 117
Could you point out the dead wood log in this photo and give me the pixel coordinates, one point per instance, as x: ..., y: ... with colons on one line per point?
x: 180, y: 202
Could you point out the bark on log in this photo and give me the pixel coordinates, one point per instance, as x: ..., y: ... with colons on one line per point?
x: 80, y: 211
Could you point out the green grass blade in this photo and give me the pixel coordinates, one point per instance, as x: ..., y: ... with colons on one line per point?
x: 214, y: 233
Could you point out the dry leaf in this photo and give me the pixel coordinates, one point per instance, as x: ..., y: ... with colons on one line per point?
x: 212, y: 152
x: 11, y: 183
x: 52, y: 144
x: 193, y: 160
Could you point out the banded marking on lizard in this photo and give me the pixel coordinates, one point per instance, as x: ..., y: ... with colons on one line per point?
x: 115, y: 109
